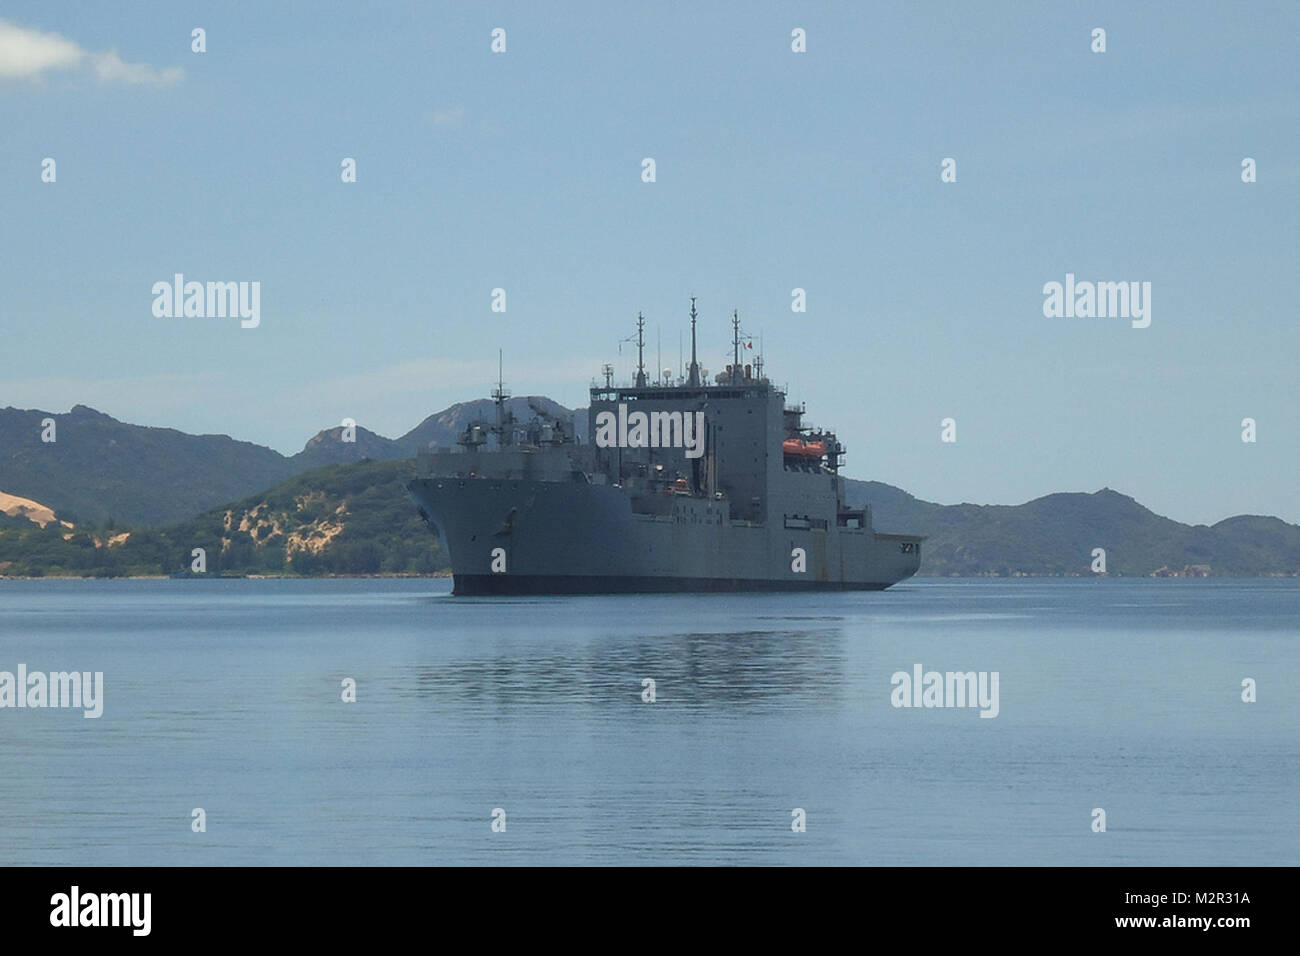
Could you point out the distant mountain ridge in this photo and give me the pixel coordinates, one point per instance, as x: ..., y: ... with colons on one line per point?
x: 98, y: 468
x: 1056, y: 534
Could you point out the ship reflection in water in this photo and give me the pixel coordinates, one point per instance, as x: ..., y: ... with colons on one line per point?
x: 761, y: 670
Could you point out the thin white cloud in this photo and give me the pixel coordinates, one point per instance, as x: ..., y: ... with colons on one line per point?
x: 468, y: 378
x: 110, y: 68
x: 449, y: 117
x: 28, y: 54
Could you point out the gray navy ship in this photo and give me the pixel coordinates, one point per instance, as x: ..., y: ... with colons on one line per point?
x: 683, y: 485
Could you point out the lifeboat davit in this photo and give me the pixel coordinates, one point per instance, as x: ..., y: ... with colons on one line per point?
x: 798, y: 448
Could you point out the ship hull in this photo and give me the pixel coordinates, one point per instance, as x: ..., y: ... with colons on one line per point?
x: 506, y: 584
x: 519, y: 536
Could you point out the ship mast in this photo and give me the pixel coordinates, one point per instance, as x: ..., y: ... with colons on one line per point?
x: 695, y: 368
x: 640, y: 351
x: 735, y: 346
x: 499, y: 395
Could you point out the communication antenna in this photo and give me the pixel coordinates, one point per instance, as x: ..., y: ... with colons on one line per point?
x: 640, y: 350
x: 735, y: 345
x: 608, y: 371
x: 694, y: 366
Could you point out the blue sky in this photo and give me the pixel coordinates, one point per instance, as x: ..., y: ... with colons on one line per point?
x: 775, y: 170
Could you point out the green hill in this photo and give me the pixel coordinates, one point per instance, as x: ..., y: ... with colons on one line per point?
x: 1056, y: 534
x: 98, y: 468
x: 341, y: 519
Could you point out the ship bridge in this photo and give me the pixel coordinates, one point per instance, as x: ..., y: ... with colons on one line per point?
x: 732, y: 440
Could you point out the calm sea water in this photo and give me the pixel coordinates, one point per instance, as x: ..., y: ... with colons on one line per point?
x: 226, y: 695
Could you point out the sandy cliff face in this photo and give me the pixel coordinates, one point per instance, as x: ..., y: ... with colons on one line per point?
x: 34, y: 511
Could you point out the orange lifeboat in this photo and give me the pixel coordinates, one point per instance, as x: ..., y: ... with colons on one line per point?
x: 798, y: 448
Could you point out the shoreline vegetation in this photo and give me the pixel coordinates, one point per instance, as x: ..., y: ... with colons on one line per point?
x: 356, y: 520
